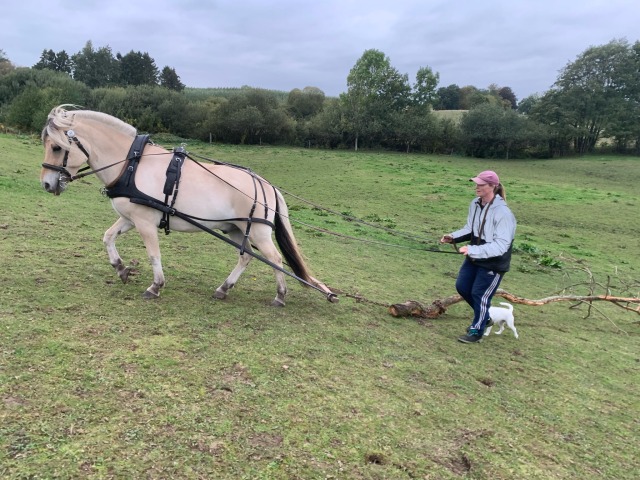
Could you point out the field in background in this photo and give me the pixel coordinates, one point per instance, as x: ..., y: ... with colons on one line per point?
x: 97, y: 383
x: 455, y: 115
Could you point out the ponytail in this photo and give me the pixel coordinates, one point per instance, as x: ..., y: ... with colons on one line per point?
x: 500, y: 191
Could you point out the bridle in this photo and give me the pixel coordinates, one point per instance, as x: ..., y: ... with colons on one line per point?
x: 62, y: 170
x: 65, y: 175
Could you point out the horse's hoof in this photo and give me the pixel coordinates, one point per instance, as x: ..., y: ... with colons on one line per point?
x: 333, y: 298
x: 147, y: 295
x: 219, y: 295
x: 124, y: 275
x: 277, y: 303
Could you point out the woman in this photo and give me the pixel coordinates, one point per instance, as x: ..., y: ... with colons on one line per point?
x: 490, y: 231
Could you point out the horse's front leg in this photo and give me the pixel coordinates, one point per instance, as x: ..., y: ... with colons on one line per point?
x: 149, y: 234
x: 121, y: 226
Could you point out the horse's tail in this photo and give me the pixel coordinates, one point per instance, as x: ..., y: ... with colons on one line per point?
x: 287, y: 242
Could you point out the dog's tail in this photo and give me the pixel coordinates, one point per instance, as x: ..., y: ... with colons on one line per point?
x: 508, y: 305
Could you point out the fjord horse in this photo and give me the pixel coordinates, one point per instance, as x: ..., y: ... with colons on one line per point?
x: 221, y: 196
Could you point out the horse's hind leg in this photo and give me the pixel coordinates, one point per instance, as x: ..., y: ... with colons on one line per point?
x: 121, y: 226
x: 264, y: 243
x: 243, y: 260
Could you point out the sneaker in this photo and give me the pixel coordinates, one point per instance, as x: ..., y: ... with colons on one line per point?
x: 472, y: 336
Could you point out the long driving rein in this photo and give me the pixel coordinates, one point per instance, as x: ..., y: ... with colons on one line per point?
x: 179, y: 153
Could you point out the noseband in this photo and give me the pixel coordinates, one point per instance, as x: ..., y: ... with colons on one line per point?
x: 62, y: 170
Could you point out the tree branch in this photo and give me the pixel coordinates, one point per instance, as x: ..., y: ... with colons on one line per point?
x: 412, y: 308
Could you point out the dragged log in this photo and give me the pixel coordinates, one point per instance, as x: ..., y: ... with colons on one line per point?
x: 412, y: 308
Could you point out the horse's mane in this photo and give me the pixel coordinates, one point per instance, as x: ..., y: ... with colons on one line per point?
x: 60, y: 119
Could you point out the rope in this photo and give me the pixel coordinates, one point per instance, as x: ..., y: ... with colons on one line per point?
x: 355, y: 219
x: 319, y: 207
x: 363, y: 240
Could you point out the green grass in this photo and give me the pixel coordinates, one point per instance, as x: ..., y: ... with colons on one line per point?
x: 97, y: 383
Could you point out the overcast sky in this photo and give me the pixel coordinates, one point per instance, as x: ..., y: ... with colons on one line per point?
x: 289, y: 44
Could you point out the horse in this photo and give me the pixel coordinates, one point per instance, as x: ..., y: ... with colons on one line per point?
x: 212, y: 197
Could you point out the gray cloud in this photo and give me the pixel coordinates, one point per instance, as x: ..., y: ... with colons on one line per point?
x: 292, y: 44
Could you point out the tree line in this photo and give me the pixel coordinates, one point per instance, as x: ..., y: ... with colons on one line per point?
x: 101, y: 68
x: 593, y: 105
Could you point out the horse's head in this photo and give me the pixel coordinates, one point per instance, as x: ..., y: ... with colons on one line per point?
x: 73, y: 137
x: 62, y: 158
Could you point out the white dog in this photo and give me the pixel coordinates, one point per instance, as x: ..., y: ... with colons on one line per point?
x: 501, y: 316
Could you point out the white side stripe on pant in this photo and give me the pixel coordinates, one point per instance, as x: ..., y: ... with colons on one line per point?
x: 485, y: 300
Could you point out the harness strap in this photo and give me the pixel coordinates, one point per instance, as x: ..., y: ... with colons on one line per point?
x: 72, y: 136
x: 251, y: 212
x: 124, y: 185
x: 172, y: 185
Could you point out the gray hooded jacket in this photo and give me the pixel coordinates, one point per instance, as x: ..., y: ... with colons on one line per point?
x: 490, y: 231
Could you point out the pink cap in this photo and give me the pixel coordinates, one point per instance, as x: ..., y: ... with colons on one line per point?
x: 488, y: 176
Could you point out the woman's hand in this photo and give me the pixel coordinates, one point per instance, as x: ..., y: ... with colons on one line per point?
x: 446, y: 239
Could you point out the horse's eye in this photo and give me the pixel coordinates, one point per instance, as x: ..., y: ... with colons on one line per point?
x: 56, y: 148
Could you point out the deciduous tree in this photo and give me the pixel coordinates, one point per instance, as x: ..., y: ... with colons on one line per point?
x: 375, y: 91
x: 507, y: 95
x: 491, y: 130
x: 448, y: 98
x: 593, y: 93
x: 306, y: 103
x: 424, y: 90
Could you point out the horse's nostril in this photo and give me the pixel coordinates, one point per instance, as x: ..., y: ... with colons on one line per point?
x: 47, y: 187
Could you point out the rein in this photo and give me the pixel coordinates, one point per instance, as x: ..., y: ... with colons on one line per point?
x: 66, y: 176
x: 329, y: 232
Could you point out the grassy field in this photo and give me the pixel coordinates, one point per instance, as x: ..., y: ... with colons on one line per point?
x: 97, y: 383
x: 455, y: 115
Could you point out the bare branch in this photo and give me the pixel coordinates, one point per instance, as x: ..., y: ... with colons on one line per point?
x: 438, y: 307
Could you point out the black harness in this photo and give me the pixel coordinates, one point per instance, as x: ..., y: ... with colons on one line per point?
x: 125, y: 186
